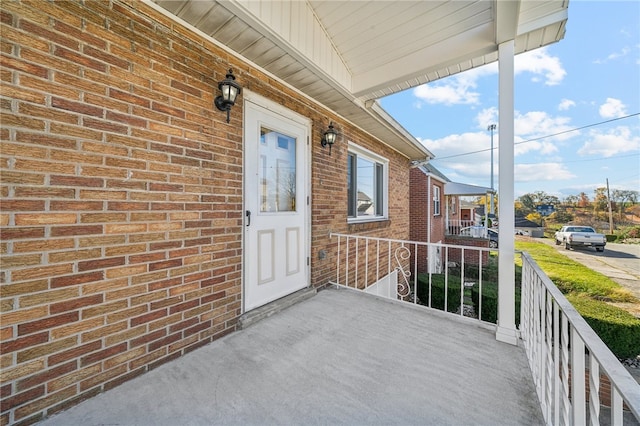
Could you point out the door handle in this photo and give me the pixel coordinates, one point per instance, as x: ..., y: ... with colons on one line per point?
x: 247, y: 213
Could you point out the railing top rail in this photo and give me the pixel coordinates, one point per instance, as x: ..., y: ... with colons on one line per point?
x: 409, y: 242
x: 626, y: 385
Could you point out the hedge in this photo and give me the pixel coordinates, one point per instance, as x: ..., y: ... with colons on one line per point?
x: 490, y: 302
x: 437, y: 291
x: 617, y: 328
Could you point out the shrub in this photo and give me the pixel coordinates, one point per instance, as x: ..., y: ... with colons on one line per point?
x: 611, y: 238
x: 438, y: 291
x: 617, y: 328
x: 490, y: 302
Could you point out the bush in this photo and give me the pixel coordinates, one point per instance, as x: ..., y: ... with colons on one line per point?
x: 490, y: 302
x: 617, y: 328
x: 438, y: 291
x: 611, y: 238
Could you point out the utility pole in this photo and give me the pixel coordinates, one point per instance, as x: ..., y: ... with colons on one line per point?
x: 491, y: 128
x: 610, y: 214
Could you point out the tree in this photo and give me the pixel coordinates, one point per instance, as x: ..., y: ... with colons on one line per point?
x: 600, y: 199
x: 561, y: 216
x: 583, y: 200
x: 530, y: 201
x: 571, y: 200
x: 621, y: 197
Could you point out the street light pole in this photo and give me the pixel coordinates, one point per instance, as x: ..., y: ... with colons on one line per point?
x: 491, y: 128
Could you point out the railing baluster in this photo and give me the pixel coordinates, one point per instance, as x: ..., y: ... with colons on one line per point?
x: 594, y: 390
x: 577, y: 378
x: 347, y: 263
x: 415, y: 272
x: 378, y: 261
x: 565, y: 370
x: 366, y: 263
x: 616, y: 407
x: 556, y: 364
x: 462, y: 284
x: 549, y: 365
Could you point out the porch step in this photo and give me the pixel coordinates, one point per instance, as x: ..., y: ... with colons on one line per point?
x: 276, y: 306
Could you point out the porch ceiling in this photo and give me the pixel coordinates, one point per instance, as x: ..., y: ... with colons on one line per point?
x: 347, y: 54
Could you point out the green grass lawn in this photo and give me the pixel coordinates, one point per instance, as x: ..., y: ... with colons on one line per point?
x: 589, y: 291
x: 573, y: 277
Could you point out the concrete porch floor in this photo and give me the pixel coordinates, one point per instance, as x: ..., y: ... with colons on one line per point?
x: 340, y: 357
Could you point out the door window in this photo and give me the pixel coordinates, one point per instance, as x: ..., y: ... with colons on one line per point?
x: 277, y: 171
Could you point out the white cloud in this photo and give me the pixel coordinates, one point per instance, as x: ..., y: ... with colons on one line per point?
x: 612, y: 108
x: 466, y: 157
x: 535, y: 124
x: 615, y: 55
x: 486, y: 117
x: 565, y: 104
x: 541, y: 172
x: 460, y: 89
x: 612, y: 142
x: 456, y: 92
x: 540, y: 63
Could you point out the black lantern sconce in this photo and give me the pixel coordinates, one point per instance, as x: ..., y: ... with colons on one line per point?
x: 329, y: 137
x: 230, y: 91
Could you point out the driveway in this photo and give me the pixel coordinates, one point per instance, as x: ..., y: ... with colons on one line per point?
x: 620, y: 262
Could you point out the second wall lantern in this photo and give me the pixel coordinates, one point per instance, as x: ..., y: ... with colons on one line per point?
x: 230, y: 91
x: 329, y: 137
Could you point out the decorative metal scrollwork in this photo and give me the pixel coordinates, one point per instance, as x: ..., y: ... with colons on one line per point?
x: 401, y: 254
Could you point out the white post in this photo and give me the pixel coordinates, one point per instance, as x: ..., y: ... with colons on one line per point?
x: 491, y: 128
x: 506, y: 330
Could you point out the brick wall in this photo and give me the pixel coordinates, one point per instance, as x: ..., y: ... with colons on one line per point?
x: 121, y: 220
x: 425, y: 226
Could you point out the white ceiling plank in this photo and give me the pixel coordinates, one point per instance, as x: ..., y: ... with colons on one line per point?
x: 461, y: 47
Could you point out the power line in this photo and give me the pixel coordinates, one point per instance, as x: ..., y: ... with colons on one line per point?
x: 593, y: 159
x: 543, y: 137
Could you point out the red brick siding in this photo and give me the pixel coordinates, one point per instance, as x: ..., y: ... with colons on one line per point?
x: 423, y: 220
x: 121, y: 185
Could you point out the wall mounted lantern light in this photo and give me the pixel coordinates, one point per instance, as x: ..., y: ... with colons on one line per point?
x: 329, y: 137
x: 230, y: 90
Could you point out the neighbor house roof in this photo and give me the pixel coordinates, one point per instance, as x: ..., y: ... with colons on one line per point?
x: 348, y: 54
x: 429, y: 168
x: 521, y: 222
x: 463, y: 189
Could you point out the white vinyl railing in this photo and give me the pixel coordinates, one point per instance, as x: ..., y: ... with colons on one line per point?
x: 575, y: 373
x: 455, y: 225
x: 448, y: 274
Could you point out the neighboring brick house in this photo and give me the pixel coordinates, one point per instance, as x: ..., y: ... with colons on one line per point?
x: 436, y: 215
x: 139, y: 224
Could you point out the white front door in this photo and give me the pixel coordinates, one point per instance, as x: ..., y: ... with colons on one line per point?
x: 275, y: 223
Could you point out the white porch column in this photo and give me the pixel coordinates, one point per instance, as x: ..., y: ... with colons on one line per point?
x: 506, y: 330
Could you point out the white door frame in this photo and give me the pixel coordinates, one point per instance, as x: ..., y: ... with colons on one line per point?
x: 252, y: 99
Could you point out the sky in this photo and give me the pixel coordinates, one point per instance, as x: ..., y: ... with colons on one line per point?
x: 577, y: 110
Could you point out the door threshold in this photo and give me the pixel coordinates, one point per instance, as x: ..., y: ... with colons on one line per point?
x: 276, y: 306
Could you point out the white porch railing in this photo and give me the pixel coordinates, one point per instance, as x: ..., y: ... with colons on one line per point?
x: 575, y: 373
x: 455, y: 225
x: 450, y: 277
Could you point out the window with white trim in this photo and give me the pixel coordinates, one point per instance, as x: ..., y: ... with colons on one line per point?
x: 436, y: 200
x: 367, y: 185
